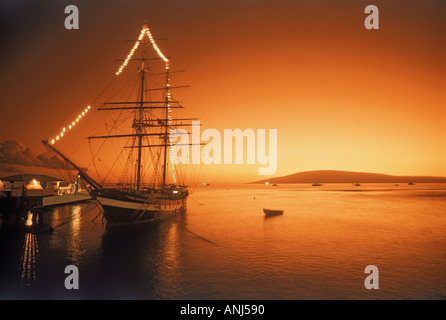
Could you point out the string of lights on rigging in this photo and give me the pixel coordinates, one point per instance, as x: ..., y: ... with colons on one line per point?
x: 145, y: 31
x: 70, y: 126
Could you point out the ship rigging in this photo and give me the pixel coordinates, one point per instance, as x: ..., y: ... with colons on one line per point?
x: 133, y: 200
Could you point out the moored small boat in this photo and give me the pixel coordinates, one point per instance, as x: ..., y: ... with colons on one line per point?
x: 270, y: 212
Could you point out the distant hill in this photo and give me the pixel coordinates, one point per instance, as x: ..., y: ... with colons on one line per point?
x: 335, y: 176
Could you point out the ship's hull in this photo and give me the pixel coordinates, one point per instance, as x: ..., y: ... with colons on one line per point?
x: 124, y: 209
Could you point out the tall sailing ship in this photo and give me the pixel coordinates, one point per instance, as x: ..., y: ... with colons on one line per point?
x: 133, y: 200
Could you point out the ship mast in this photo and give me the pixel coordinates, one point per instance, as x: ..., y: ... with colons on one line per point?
x: 166, y: 119
x: 161, y: 122
x: 139, y: 126
x: 165, y: 122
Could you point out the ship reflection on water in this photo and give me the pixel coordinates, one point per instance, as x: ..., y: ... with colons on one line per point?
x: 169, y: 266
x: 134, y: 262
x: 146, y: 263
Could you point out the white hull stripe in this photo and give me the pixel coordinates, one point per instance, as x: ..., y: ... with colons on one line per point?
x: 136, y: 205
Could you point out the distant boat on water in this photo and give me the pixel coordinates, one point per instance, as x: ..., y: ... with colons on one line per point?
x: 316, y: 184
x: 270, y: 212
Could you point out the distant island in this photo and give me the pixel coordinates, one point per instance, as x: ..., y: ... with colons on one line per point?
x: 336, y: 176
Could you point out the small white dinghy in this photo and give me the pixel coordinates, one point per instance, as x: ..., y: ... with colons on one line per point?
x: 269, y: 212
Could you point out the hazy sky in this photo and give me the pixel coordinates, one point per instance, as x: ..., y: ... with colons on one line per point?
x: 341, y: 97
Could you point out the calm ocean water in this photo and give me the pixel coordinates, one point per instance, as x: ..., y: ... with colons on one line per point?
x: 224, y: 247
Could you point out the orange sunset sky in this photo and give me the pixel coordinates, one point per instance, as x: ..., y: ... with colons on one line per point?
x: 340, y: 96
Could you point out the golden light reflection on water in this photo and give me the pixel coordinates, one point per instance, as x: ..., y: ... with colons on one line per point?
x: 75, y: 249
x: 169, y: 266
x: 28, y: 260
x: 56, y: 214
x: 29, y: 220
